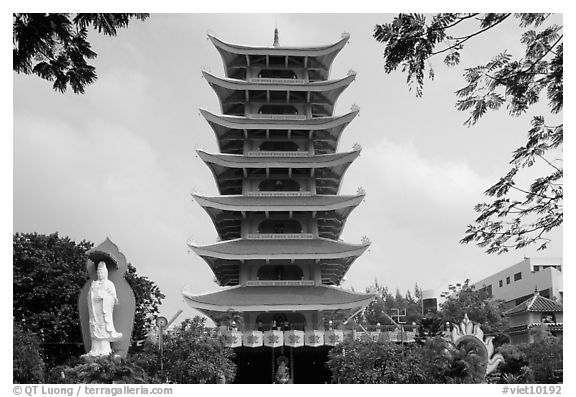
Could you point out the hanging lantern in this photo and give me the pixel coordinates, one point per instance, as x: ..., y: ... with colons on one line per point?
x: 294, y: 338
x: 273, y: 338
x: 314, y: 338
x: 252, y: 338
x: 349, y: 335
x: 333, y: 337
x: 233, y: 339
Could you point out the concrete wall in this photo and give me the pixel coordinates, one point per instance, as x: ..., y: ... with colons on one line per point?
x: 543, y: 279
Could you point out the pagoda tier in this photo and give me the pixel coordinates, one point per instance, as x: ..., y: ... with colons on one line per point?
x: 329, y: 211
x: 274, y: 298
x: 327, y: 170
x: 232, y: 131
x: 237, y: 95
x: 280, y: 246
x: 228, y: 272
x: 239, y: 58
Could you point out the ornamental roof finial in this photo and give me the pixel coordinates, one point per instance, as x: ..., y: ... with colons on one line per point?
x: 276, y: 40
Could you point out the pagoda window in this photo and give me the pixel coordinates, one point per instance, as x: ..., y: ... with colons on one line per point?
x: 277, y: 74
x: 279, y: 185
x: 281, y: 321
x: 278, y: 109
x: 272, y: 226
x: 280, y: 146
x: 280, y: 272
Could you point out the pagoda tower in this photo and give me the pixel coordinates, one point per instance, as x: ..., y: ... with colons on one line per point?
x: 279, y: 217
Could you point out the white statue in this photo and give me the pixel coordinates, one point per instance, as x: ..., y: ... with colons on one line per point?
x: 101, y: 301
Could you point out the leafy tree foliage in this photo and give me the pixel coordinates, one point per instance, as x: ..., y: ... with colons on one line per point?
x: 148, y: 299
x: 437, y: 361
x: 192, y: 354
x: 55, y: 46
x: 516, y: 216
x: 48, y: 273
x: 477, y: 304
x: 538, y: 362
x: 383, y: 308
x: 27, y: 363
x: 102, y: 370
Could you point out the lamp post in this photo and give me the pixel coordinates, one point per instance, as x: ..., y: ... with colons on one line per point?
x: 161, y: 323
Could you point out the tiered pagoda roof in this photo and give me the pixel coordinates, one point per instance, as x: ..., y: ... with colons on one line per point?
x: 231, y: 131
x: 259, y: 298
x: 260, y: 113
x: 238, y: 57
x: 230, y: 169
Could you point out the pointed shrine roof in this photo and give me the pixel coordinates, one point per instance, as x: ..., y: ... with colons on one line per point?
x: 318, y: 248
x: 245, y: 299
x: 536, y: 303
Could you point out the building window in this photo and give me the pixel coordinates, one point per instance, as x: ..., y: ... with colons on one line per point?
x: 518, y: 276
x: 507, y: 280
x: 501, y: 283
x: 536, y: 268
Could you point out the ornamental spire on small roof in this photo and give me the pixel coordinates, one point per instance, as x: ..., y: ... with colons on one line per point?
x: 276, y: 40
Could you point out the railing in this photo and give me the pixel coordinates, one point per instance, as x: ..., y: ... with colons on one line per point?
x: 270, y: 80
x: 280, y: 236
x: 279, y: 194
x: 277, y: 116
x: 280, y: 283
x: 276, y: 153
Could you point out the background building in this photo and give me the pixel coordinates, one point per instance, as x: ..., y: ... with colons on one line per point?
x: 516, y: 283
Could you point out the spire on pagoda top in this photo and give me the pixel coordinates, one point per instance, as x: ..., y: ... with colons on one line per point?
x: 276, y: 40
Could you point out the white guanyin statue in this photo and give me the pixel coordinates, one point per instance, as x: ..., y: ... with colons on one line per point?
x: 101, y: 301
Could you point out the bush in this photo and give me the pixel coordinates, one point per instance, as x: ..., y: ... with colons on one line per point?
x: 27, y: 363
x: 104, y: 370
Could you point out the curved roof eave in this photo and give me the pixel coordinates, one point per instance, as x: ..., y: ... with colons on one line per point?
x: 308, y: 203
x: 270, y: 249
x: 318, y: 123
x: 241, y: 161
x: 317, y: 86
x: 295, y: 51
x: 302, y: 300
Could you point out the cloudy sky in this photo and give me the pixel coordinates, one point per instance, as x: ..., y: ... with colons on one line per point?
x: 119, y: 161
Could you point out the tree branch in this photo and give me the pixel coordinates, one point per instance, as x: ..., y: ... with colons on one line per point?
x: 463, y: 39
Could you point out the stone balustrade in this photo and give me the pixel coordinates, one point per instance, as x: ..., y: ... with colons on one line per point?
x: 279, y: 283
x: 280, y: 236
x: 288, y: 117
x: 270, y: 80
x: 278, y: 194
x: 276, y: 153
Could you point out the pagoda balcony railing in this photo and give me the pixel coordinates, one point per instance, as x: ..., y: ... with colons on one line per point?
x: 277, y: 116
x: 280, y: 283
x: 280, y: 236
x: 270, y: 80
x: 279, y: 194
x: 277, y: 153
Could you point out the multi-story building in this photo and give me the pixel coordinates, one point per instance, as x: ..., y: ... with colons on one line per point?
x: 279, y: 216
x: 516, y: 283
